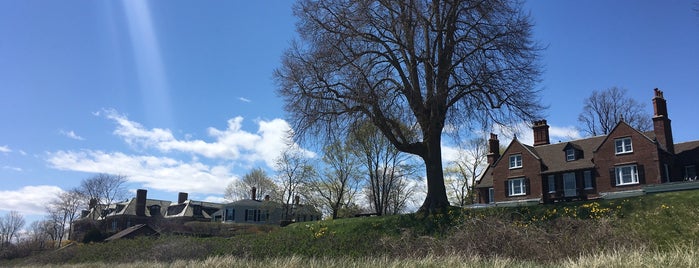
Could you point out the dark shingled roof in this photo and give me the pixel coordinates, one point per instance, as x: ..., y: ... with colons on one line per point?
x: 136, y: 230
x: 553, y: 155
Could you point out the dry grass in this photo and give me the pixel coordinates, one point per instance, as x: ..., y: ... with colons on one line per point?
x: 681, y: 256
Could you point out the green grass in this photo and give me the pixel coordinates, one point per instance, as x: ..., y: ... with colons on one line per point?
x: 556, y: 235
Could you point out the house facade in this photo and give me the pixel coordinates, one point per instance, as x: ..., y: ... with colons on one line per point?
x: 266, y: 211
x: 623, y: 161
x: 171, y: 216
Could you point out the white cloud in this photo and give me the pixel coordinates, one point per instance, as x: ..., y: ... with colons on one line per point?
x: 5, y: 149
x: 525, y: 134
x: 29, y: 200
x: 161, y: 173
x: 71, y: 134
x: 244, y: 99
x: 564, y: 133
x: 232, y: 143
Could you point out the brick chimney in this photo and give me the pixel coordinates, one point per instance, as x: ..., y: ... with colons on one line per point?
x: 541, y: 133
x: 182, y: 197
x: 661, y: 122
x: 141, y: 202
x: 92, y: 204
x: 493, y: 149
x: 254, y: 193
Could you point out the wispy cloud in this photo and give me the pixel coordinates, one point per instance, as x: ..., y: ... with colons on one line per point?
x: 243, y: 99
x: 5, y: 149
x: 28, y: 200
x: 71, y: 134
x: 12, y: 168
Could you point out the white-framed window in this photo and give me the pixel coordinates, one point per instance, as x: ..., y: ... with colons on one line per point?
x: 515, y: 161
x: 587, y: 179
x: 517, y: 187
x: 491, y: 195
x: 623, y: 145
x: 552, y: 183
x: 690, y: 173
x: 570, y: 154
x: 626, y: 175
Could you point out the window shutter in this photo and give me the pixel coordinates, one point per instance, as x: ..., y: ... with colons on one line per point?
x: 526, y: 186
x: 612, y: 176
x: 641, y: 174
x: 507, y: 188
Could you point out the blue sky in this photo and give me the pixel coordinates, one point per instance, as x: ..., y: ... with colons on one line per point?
x: 178, y: 95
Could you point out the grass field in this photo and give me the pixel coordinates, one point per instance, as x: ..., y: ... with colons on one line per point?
x: 647, y: 231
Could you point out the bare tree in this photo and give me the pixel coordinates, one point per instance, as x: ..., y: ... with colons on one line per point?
x: 604, y: 108
x: 10, y: 225
x: 105, y: 188
x: 421, y: 64
x: 401, y: 195
x: 258, y: 178
x: 469, y: 165
x: 63, y: 210
x: 38, y: 236
x: 384, y: 164
x: 293, y: 174
x: 339, y: 183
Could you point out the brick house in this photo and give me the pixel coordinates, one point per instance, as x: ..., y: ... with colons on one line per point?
x: 624, y: 161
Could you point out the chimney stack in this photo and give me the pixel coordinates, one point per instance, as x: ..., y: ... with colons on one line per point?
x: 182, y: 197
x: 493, y: 149
x: 661, y: 122
x: 541, y: 133
x: 92, y: 204
x: 297, y: 200
x: 254, y: 193
x: 141, y: 202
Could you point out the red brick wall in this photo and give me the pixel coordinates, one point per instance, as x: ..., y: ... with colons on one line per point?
x: 531, y: 169
x: 644, y: 155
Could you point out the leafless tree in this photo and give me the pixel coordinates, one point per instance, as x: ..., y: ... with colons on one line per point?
x: 415, y: 63
x: 37, y: 235
x: 604, y: 108
x: 338, y: 185
x: 293, y: 174
x: 401, y: 195
x: 63, y: 210
x: 464, y: 171
x: 10, y: 225
x: 105, y: 188
x: 384, y: 165
x: 258, y: 178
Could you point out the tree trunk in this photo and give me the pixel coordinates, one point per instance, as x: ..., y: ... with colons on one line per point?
x: 436, y: 199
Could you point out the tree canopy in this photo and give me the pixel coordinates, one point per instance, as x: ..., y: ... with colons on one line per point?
x: 410, y: 68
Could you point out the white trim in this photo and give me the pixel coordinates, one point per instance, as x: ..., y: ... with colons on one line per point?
x: 619, y: 175
x: 511, y: 187
x: 623, y: 145
x: 515, y: 161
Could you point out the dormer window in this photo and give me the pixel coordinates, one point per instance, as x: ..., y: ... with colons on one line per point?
x: 570, y: 154
x: 515, y: 161
x: 623, y: 145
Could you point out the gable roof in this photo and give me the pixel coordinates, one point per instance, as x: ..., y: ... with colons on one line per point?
x: 622, y: 122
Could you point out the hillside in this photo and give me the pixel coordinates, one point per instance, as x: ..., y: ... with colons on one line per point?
x: 541, y: 234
